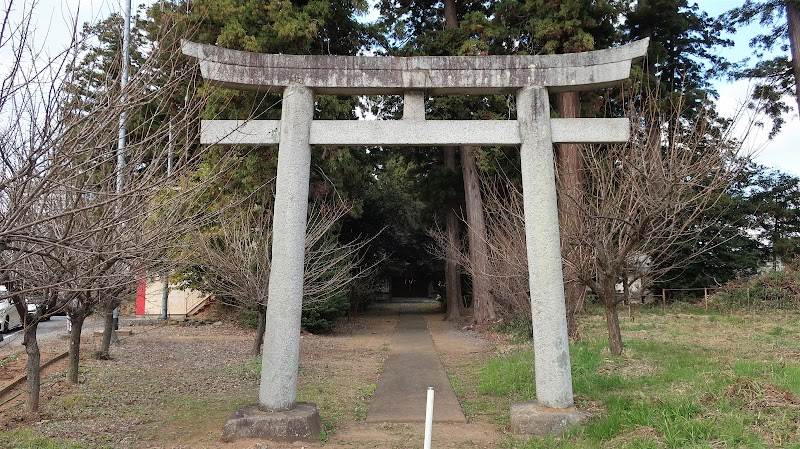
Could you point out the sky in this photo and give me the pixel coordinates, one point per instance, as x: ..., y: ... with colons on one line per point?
x: 783, y: 152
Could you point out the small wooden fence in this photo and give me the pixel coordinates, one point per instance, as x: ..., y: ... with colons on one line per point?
x: 705, y: 290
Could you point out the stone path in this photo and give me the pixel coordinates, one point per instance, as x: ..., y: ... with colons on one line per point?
x: 412, y: 366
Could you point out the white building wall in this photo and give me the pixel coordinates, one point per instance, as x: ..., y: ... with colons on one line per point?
x: 178, y: 304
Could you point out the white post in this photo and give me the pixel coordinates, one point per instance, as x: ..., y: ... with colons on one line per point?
x: 428, y: 419
x: 278, y: 389
x: 165, y: 274
x: 550, y: 340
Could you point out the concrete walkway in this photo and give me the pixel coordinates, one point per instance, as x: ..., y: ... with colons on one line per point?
x: 412, y: 366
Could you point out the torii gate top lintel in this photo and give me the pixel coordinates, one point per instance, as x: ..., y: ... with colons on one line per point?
x: 435, y: 75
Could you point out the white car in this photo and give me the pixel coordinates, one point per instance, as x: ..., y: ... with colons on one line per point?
x: 9, y: 317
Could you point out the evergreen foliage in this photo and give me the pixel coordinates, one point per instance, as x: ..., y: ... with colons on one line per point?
x: 776, y: 73
x: 775, y: 203
x: 682, y: 58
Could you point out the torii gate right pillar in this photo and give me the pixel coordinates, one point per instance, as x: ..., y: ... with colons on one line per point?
x: 550, y: 339
x: 553, y: 411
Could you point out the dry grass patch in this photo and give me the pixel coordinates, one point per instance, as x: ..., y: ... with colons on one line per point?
x: 761, y: 396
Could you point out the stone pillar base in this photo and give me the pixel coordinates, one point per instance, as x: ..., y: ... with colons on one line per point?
x: 531, y: 419
x: 301, y: 423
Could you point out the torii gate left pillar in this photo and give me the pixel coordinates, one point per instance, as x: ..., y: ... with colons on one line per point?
x: 530, y: 78
x: 280, y: 362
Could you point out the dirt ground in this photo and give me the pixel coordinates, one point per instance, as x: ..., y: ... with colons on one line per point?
x: 173, y: 387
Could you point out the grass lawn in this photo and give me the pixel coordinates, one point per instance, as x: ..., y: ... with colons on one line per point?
x: 686, y: 380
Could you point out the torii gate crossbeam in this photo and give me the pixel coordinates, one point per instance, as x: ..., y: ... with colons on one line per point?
x: 530, y: 78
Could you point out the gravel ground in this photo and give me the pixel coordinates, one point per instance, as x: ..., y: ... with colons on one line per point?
x: 174, y: 386
x: 159, y: 378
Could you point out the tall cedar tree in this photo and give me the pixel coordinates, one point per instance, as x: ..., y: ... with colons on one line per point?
x: 420, y: 28
x: 483, y: 309
x: 452, y: 268
x: 681, y: 59
x: 779, y: 75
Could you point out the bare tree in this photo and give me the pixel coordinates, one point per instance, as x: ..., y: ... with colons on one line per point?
x: 642, y: 200
x: 235, y: 256
x: 30, y: 99
x: 67, y: 235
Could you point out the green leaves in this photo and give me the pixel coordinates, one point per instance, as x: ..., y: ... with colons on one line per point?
x: 275, y: 26
x: 776, y: 72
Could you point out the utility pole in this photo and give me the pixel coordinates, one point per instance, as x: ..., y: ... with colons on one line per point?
x: 123, y: 115
x: 123, y: 82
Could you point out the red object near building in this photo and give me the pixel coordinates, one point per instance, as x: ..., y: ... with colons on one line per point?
x: 141, y: 293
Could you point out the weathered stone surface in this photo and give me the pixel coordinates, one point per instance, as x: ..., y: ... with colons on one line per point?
x: 436, y: 75
x: 413, y: 105
x: 550, y: 340
x: 301, y: 423
x: 413, y: 132
x: 530, y: 419
x: 281, y: 359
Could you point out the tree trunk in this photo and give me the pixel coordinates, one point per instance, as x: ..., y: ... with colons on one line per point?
x: 450, y: 18
x: 483, y: 309
x: 793, y: 22
x: 612, y: 321
x: 76, y: 320
x: 262, y: 326
x: 108, y: 332
x: 570, y: 198
x: 33, y: 367
x: 482, y: 303
x: 452, y: 269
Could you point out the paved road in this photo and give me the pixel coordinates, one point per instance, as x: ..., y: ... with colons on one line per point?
x: 57, y: 326
x: 47, y: 330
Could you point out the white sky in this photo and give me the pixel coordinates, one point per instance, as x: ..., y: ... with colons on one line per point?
x: 783, y: 153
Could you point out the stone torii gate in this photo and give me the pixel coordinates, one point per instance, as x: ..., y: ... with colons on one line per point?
x: 530, y: 78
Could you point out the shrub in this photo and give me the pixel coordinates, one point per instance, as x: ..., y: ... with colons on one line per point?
x: 317, y: 317
x: 774, y: 290
x: 320, y: 317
